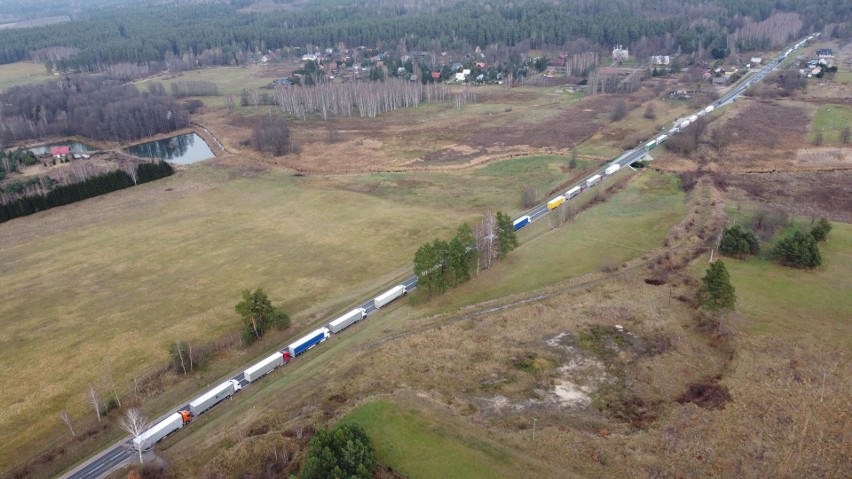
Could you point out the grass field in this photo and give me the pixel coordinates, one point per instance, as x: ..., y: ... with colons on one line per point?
x: 173, y: 269
x: 831, y: 119
x: 21, y: 73
x: 230, y: 80
x: 122, y: 290
x: 844, y: 77
x: 424, y: 444
x: 773, y: 300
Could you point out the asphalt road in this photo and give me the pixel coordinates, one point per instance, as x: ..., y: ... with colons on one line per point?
x: 119, y: 454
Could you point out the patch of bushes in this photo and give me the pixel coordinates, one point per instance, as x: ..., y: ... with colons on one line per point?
x: 344, y: 451
x: 799, y: 250
x: 738, y: 242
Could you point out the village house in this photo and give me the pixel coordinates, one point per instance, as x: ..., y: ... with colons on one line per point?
x: 825, y: 53
x: 60, y: 151
x: 661, y: 60
x: 756, y: 61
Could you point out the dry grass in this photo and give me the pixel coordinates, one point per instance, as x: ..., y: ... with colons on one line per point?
x: 151, y: 267
x: 21, y: 73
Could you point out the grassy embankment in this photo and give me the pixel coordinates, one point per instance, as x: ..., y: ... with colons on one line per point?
x: 172, y: 268
x: 831, y: 119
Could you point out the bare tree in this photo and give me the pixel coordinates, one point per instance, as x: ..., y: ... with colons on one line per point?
x: 66, y: 419
x: 487, y: 242
x: 95, y: 402
x: 134, y: 423
x: 528, y: 196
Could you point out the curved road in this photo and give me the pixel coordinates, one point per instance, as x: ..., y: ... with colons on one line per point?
x: 118, y: 454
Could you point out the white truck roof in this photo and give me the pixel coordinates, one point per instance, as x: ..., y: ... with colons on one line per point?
x: 263, y: 363
x: 211, y: 393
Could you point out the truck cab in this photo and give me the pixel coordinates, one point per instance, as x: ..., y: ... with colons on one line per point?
x: 185, y: 415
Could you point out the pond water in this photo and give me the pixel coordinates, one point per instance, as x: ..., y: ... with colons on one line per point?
x: 76, y: 147
x: 182, y: 149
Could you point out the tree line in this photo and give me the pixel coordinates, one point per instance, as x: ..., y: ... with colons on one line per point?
x: 367, y: 99
x: 215, y: 33
x: 88, y: 188
x: 96, y: 108
x: 441, y: 265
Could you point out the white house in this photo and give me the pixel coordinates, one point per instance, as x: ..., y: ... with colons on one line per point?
x: 756, y: 60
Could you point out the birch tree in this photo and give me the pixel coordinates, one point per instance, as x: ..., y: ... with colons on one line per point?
x: 95, y: 401
x: 134, y: 423
x: 66, y: 419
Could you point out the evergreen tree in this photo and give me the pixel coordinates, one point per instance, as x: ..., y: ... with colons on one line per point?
x: 716, y: 293
x: 259, y: 315
x: 738, y: 242
x: 506, y: 235
x: 821, y: 229
x: 425, y: 263
x: 343, y: 452
x: 799, y: 250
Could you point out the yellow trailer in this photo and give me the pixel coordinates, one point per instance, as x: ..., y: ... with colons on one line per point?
x: 555, y: 202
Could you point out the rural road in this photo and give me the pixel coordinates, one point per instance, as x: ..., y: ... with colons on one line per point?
x: 119, y: 454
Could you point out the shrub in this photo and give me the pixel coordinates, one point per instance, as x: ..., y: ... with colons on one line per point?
x: 344, y: 451
x: 798, y: 250
x: 738, y: 242
x: 821, y: 229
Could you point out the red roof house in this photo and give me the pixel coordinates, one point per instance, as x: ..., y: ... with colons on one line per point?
x: 60, y: 150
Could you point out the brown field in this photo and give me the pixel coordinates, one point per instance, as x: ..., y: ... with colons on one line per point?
x: 819, y: 193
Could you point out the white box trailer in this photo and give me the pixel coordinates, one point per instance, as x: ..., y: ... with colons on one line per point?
x: 711, y: 107
x: 662, y: 138
x: 213, y: 396
x: 573, y: 192
x: 692, y: 118
x: 264, y: 366
x: 593, y: 181
x: 388, y: 296
x: 346, y: 320
x: 158, y: 431
x: 612, y: 169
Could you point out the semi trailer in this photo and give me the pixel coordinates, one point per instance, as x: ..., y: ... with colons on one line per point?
x: 593, y: 181
x: 214, y: 396
x: 264, y: 366
x: 573, y: 192
x: 346, y: 320
x: 389, y: 296
x: 306, y: 342
x: 157, y: 432
x: 555, y: 202
x: 521, y: 222
x: 611, y: 169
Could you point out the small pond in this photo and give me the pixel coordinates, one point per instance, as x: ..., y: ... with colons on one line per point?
x: 182, y: 149
x: 76, y: 147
